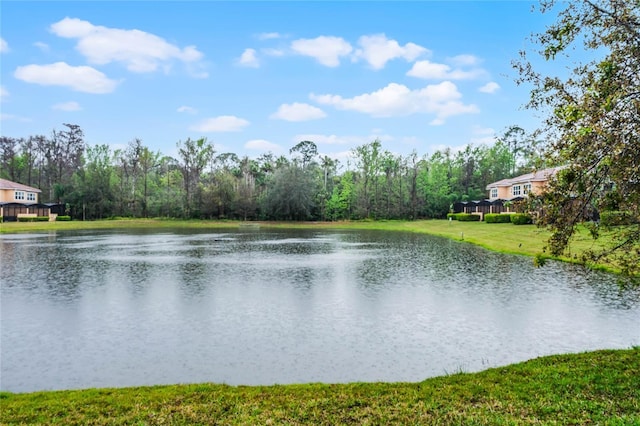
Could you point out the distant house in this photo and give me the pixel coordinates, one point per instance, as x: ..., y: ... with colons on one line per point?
x: 503, y: 192
x: 520, y: 186
x: 18, y: 200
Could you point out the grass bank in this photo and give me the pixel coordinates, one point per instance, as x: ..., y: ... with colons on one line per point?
x: 601, y: 387
x: 527, y: 240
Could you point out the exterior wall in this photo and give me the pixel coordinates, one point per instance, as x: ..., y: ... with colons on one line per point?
x: 536, y: 187
x: 9, y: 196
x: 525, y: 188
x: 5, y: 194
x: 504, y: 192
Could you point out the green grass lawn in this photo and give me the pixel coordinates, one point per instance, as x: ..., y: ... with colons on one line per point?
x: 601, y: 387
x: 527, y: 240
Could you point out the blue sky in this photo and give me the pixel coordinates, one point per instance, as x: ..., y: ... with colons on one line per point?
x: 257, y: 77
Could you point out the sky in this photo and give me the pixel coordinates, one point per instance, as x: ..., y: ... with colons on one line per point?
x: 258, y: 77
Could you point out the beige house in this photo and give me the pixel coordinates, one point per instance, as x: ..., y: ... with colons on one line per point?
x: 520, y: 186
x: 12, y: 192
x: 18, y: 200
x: 502, y: 192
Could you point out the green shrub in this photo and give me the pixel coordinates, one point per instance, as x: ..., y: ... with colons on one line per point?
x: 520, y: 219
x: 42, y: 219
x: 616, y: 218
x: 63, y: 218
x: 466, y: 217
x: 27, y: 219
x: 497, y: 218
x: 452, y: 216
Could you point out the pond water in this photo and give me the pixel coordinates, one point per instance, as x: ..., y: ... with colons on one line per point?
x: 115, y: 308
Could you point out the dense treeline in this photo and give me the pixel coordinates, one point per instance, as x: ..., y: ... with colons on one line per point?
x: 98, y: 182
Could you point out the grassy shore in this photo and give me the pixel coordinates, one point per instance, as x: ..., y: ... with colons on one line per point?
x: 601, y: 387
x: 527, y: 240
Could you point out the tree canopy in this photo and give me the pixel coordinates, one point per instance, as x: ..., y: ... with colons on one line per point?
x: 592, y: 123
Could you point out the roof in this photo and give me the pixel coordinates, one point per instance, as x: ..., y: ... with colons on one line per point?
x: 7, y: 184
x: 536, y: 176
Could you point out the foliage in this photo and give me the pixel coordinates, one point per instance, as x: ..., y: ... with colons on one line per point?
x: 520, y: 219
x: 290, y: 195
x: 452, y: 216
x: 589, y: 388
x: 63, y: 218
x: 137, y: 182
x: 592, y: 120
x: 497, y: 218
x: 467, y: 217
x: 617, y: 218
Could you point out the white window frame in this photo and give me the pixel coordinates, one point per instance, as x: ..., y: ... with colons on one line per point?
x: 18, y: 195
x: 31, y: 196
x: 526, y: 188
x: 494, y: 192
x: 516, y: 190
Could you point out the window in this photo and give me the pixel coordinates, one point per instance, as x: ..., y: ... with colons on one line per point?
x: 31, y: 196
x: 19, y: 195
x: 494, y: 192
x: 526, y: 188
x: 515, y: 190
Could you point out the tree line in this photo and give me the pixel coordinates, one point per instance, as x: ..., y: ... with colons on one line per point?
x: 96, y: 181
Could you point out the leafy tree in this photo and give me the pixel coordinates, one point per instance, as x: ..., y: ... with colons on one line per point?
x: 592, y: 120
x: 149, y: 162
x: 367, y: 158
x: 290, y: 197
x: 307, y: 151
x: 9, y: 158
x: 195, y: 155
x: 94, y: 196
x: 339, y: 205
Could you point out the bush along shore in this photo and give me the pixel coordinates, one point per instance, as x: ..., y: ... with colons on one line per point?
x: 600, y: 387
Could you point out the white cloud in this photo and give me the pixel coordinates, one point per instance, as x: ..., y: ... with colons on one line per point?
x: 249, y: 59
x: 4, y: 93
x: 483, y: 136
x: 262, y: 145
x: 325, y: 49
x: 441, y: 100
x: 269, y: 36
x: 187, y: 109
x: 81, y: 79
x: 330, y: 139
x: 377, y: 50
x: 272, y: 52
x: 352, y: 140
x: 298, y: 112
x: 138, y: 50
x: 42, y: 46
x: 11, y: 117
x: 223, y: 123
x: 477, y: 130
x: 4, y: 46
x: 490, y: 87
x: 67, y: 106
x: 465, y: 60
x: 433, y: 71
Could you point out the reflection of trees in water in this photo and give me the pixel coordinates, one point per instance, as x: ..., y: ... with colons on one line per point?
x: 614, y: 292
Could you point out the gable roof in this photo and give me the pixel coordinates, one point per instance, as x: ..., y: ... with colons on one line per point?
x: 7, y: 184
x: 536, y: 176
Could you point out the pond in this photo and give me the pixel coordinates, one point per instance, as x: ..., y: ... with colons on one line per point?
x: 128, y: 308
